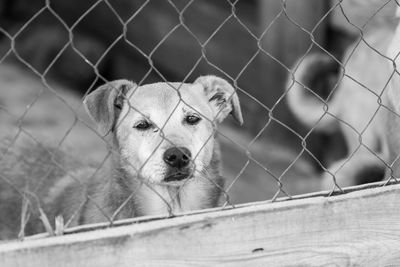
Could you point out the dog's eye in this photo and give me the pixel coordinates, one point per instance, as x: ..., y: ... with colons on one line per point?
x: 192, y: 119
x: 142, y: 125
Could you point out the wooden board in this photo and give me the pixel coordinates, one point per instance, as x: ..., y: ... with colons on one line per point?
x: 360, y: 228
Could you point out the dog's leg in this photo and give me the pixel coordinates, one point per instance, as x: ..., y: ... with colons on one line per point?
x: 359, y: 168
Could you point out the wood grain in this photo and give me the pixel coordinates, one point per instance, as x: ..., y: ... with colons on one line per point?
x: 356, y: 229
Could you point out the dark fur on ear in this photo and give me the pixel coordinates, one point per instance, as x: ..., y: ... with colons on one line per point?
x: 105, y: 103
x: 219, y: 92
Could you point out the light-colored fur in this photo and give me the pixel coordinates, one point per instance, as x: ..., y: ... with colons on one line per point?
x: 360, y: 107
x: 133, y: 182
x: 392, y: 125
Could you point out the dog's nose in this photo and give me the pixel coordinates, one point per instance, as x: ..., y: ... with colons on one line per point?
x: 177, y: 157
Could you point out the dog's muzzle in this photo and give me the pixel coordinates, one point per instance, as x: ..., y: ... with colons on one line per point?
x: 178, y: 159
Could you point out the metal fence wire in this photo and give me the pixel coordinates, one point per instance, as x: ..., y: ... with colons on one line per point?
x: 319, y: 125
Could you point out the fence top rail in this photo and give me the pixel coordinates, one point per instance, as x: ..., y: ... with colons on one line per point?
x: 146, y: 219
x: 337, y: 229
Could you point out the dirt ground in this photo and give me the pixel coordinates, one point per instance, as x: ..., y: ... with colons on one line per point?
x: 55, y: 116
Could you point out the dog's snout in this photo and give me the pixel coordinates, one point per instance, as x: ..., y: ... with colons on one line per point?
x: 177, y: 157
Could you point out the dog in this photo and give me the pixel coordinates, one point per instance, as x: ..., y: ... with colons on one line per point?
x: 362, y: 104
x: 165, y: 158
x: 392, y: 125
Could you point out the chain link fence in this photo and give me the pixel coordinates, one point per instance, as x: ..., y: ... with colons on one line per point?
x: 58, y: 170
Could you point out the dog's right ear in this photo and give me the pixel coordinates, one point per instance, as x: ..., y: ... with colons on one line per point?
x: 105, y: 103
x: 222, y: 97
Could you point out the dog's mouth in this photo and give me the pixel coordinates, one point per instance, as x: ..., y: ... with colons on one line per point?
x: 178, y: 176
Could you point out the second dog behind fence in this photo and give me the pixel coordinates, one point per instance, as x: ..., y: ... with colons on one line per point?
x: 164, y: 157
x: 363, y: 107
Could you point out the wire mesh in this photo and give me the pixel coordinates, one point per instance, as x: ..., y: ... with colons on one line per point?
x: 65, y: 172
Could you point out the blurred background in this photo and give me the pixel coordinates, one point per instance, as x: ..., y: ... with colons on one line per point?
x: 54, y: 52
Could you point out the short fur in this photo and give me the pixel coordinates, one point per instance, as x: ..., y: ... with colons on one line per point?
x: 133, y: 183
x: 354, y: 108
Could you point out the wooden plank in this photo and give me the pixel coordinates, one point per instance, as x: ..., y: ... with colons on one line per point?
x: 356, y: 229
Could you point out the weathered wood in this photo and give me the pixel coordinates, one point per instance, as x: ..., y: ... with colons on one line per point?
x: 356, y: 229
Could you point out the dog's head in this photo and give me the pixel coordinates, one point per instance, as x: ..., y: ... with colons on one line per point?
x: 164, y: 131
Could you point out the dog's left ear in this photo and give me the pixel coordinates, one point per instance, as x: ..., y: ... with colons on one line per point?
x: 105, y: 103
x: 222, y: 97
